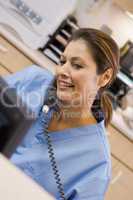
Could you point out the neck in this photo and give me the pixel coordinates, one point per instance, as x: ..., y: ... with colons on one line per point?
x: 76, y: 116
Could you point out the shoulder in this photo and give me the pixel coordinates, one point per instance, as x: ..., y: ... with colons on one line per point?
x: 31, y: 85
x: 103, y: 137
x: 104, y: 147
x: 29, y: 73
x: 35, y: 70
x: 97, y: 144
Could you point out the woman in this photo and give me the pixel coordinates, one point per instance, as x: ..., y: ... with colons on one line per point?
x: 66, y: 150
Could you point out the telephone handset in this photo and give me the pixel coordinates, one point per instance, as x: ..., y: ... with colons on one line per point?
x: 53, y: 160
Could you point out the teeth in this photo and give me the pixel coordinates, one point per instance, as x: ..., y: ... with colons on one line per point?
x: 69, y: 85
x: 62, y: 85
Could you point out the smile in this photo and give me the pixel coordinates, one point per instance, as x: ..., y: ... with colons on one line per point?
x: 63, y: 85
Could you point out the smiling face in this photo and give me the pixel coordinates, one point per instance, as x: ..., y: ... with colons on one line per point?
x: 77, y: 79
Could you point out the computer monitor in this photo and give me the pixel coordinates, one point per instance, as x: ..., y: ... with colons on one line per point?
x: 14, y: 120
x: 126, y: 59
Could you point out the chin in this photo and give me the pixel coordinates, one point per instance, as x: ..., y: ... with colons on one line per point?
x: 64, y: 97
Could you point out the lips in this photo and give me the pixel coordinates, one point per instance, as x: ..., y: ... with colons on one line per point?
x: 64, y: 84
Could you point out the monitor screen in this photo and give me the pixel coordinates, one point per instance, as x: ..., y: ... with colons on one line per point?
x: 126, y: 60
x: 14, y: 121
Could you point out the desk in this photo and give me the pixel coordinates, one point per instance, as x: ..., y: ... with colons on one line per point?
x: 121, y: 125
x: 122, y: 166
x: 15, y: 185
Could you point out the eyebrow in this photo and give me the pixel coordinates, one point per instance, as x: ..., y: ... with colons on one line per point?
x: 62, y: 56
x: 73, y: 58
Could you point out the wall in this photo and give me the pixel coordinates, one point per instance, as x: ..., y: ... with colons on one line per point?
x: 106, y: 13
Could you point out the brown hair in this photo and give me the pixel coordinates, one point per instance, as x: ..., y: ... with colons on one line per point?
x: 106, y: 55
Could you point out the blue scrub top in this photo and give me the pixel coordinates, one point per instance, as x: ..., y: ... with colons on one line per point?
x: 82, y: 153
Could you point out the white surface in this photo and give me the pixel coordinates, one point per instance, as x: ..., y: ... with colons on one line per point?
x: 15, y: 185
x: 32, y: 34
x: 27, y: 34
x: 125, y: 79
x: 108, y: 14
x: 48, y: 10
x: 35, y: 55
x: 122, y: 123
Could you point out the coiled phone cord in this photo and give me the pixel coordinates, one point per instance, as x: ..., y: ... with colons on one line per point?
x: 54, y: 166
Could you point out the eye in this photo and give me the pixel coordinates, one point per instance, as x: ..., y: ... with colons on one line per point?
x: 77, y: 66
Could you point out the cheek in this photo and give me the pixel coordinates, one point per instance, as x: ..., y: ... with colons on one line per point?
x: 86, y: 85
x: 85, y: 81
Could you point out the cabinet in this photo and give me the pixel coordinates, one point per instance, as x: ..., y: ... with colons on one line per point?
x: 125, y: 4
x: 3, y: 71
x: 58, y: 41
x: 121, y: 147
x: 11, y: 59
x: 122, y: 182
x: 122, y: 166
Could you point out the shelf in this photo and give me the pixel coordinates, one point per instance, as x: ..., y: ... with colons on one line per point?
x: 124, y: 78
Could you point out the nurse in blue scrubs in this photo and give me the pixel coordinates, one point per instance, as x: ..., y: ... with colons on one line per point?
x: 66, y: 150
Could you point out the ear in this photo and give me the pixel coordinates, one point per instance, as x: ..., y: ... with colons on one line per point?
x: 105, y: 77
